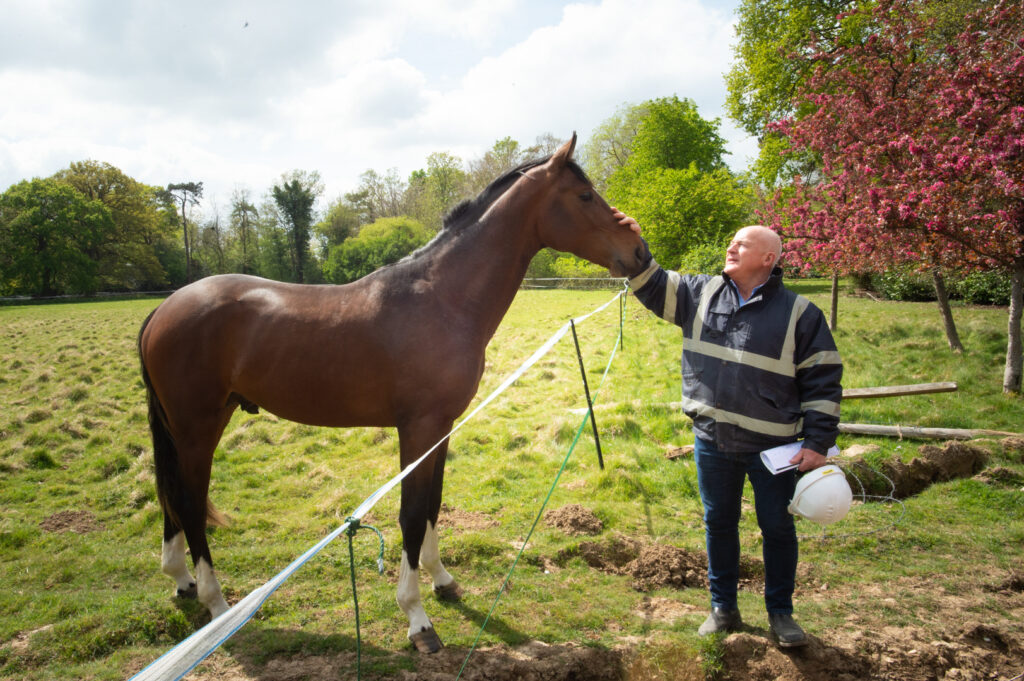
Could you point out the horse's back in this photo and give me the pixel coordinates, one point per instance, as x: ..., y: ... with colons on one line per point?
x: 327, y: 355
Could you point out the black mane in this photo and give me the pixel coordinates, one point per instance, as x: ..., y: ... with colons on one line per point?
x: 471, y: 210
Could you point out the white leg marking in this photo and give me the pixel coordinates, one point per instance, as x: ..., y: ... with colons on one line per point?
x: 409, y: 597
x: 172, y: 563
x: 430, y: 558
x: 209, y: 589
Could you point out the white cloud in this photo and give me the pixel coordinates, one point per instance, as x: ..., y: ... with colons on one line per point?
x: 190, y: 92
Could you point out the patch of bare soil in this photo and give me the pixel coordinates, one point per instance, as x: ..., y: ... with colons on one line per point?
x: 657, y: 565
x: 664, y: 609
x: 464, y: 520
x: 78, y: 522
x: 534, y: 661
x: 947, y: 641
x: 574, y: 519
x: 952, y: 460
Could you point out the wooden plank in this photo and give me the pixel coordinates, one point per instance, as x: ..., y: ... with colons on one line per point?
x: 848, y: 394
x: 899, y: 390
x: 916, y: 432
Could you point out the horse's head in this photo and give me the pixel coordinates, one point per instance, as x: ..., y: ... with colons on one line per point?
x: 573, y: 217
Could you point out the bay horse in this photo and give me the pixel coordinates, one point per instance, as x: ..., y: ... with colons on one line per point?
x: 403, y: 346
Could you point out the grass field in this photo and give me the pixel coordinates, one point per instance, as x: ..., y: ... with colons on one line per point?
x: 80, y: 529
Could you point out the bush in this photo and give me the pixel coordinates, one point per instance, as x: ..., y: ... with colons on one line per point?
x: 706, y: 258
x: 905, y: 286
x: 991, y: 287
x: 983, y: 288
x: 380, y: 243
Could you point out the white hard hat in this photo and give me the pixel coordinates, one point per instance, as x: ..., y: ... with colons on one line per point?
x: 822, y: 495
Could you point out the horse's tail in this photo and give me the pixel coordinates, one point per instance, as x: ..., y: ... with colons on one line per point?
x: 170, y: 489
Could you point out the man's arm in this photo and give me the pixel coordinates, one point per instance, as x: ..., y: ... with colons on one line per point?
x: 819, y: 375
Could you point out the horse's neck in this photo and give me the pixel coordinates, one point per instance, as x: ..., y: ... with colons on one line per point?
x: 482, y: 271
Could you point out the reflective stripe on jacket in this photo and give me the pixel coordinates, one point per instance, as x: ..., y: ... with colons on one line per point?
x: 754, y: 376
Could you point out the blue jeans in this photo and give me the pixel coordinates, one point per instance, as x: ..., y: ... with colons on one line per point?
x: 720, y: 476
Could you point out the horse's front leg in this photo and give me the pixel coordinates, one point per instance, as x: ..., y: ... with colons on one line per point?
x: 419, y: 532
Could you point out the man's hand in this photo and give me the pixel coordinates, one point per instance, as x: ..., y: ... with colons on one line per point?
x: 625, y: 220
x: 809, y: 460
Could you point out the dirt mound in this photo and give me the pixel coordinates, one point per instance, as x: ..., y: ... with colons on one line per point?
x: 1000, y: 476
x: 750, y: 656
x: 574, y: 519
x: 78, y: 522
x: 534, y: 661
x: 935, y: 464
x: 657, y: 565
x: 1013, y: 445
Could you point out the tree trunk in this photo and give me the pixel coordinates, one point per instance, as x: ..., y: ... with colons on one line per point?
x: 188, y: 251
x: 833, y: 319
x: 947, y: 314
x: 1012, y: 374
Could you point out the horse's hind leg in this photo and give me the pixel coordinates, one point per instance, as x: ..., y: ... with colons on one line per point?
x: 445, y: 587
x: 191, y: 505
x: 172, y: 559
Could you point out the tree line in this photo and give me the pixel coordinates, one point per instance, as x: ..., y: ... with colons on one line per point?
x: 91, y: 227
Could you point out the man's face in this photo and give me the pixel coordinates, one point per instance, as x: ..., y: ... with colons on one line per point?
x: 748, y: 255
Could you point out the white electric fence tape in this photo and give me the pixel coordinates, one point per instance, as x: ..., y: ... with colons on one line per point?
x: 184, y: 657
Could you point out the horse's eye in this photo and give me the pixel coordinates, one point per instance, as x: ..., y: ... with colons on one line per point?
x: 586, y: 196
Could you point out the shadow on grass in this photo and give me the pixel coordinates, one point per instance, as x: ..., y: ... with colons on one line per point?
x: 809, y: 286
x: 495, y: 625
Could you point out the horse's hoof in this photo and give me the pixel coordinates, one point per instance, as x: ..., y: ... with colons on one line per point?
x: 427, y: 641
x: 449, y: 592
x: 190, y: 593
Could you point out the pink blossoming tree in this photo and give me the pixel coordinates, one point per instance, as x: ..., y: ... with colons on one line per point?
x: 922, y: 154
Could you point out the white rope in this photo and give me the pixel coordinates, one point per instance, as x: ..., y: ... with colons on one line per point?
x: 184, y: 657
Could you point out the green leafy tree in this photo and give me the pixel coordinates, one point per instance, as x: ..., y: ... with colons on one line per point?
x: 47, y: 231
x: 273, y: 259
x: 186, y: 195
x: 672, y: 134
x: 295, y: 196
x: 611, y: 144
x: 781, y: 43
x: 676, y: 184
x: 243, y: 224
x: 378, y: 196
x: 444, y: 184
x: 505, y: 155
x: 383, y: 242
x: 128, y: 259
x: 341, y: 221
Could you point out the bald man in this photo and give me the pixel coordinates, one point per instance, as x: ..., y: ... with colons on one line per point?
x: 760, y: 369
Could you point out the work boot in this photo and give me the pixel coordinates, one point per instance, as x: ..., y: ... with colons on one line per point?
x: 720, y: 619
x: 786, y: 632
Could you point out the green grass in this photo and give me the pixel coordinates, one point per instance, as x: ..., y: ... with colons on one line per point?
x: 73, y: 438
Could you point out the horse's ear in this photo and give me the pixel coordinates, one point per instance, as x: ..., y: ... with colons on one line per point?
x: 564, y: 153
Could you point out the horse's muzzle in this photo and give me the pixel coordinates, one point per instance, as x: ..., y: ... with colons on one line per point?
x: 641, y: 260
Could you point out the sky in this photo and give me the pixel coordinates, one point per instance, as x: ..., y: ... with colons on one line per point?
x: 237, y: 93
